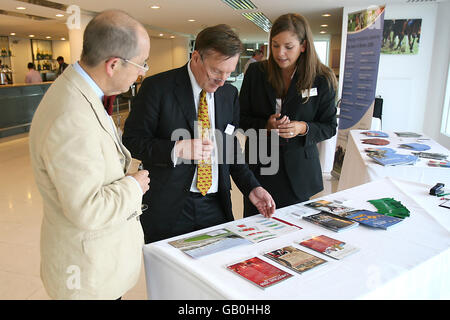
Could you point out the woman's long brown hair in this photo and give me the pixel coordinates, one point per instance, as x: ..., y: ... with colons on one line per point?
x: 308, y: 64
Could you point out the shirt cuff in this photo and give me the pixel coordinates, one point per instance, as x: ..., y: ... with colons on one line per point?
x: 307, y: 129
x: 173, y: 156
x: 142, y: 191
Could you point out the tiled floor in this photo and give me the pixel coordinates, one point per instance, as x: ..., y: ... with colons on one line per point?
x: 20, y: 219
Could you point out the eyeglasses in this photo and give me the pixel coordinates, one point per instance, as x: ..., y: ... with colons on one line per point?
x: 144, y: 67
x: 219, y: 74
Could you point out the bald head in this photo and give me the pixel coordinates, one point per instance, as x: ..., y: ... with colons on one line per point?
x: 112, y: 33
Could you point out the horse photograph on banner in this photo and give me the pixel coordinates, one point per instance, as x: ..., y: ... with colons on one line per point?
x: 401, y: 36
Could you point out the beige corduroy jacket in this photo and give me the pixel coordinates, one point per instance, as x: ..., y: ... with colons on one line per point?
x: 91, y: 237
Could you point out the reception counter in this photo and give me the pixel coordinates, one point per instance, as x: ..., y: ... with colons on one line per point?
x: 18, y: 102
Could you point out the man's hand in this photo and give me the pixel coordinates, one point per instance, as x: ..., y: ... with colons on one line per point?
x: 194, y: 149
x: 263, y: 201
x: 142, y: 178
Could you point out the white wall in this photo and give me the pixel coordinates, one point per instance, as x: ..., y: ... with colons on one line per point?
x: 404, y: 80
x: 438, y: 77
x: 166, y: 54
x: 180, y: 51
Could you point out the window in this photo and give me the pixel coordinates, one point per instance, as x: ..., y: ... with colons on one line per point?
x: 322, y: 50
x: 445, y: 129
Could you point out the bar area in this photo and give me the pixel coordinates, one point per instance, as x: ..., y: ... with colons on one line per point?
x: 18, y: 102
x: 20, y: 94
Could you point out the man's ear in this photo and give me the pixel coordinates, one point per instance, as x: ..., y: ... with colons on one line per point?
x: 111, y: 66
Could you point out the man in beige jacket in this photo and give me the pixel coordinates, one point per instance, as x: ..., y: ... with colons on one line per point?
x: 91, y: 237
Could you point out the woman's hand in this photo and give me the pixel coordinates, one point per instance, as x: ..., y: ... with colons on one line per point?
x: 275, y: 121
x: 292, y: 129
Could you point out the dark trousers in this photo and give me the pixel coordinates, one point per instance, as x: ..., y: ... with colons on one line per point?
x: 199, y: 212
x: 279, y: 187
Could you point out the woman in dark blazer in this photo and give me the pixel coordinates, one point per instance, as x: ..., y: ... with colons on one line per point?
x: 292, y: 93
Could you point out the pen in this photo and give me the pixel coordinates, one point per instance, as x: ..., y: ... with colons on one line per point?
x: 442, y: 194
x: 283, y: 221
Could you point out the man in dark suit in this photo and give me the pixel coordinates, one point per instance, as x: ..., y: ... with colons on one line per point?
x: 62, y: 65
x: 169, y: 130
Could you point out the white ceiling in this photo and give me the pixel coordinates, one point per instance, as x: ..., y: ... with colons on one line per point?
x: 172, y: 17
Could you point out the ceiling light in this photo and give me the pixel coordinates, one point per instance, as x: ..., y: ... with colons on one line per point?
x: 20, y: 8
x: 48, y: 37
x: 63, y: 39
x: 12, y: 34
x: 324, y: 25
x: 326, y: 15
x: 172, y: 37
x: 60, y: 15
x: 31, y: 35
x: 240, y: 4
x: 155, y: 7
x: 191, y: 20
x: 323, y: 32
x: 259, y: 19
x: 161, y: 34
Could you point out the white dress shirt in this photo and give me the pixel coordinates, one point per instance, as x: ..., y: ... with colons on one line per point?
x: 196, y: 90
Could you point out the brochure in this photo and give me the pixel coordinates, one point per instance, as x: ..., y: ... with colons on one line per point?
x: 373, y: 219
x: 379, y: 151
x: 390, y: 207
x: 373, y: 133
x: 257, y: 228
x: 376, y: 141
x: 329, y: 206
x: 445, y: 204
x: 295, y: 259
x: 393, y: 159
x: 331, y: 221
x: 208, y: 243
x: 430, y: 155
x: 415, y: 146
x: 328, y: 246
x: 443, y: 164
x: 408, y: 134
x: 259, y: 272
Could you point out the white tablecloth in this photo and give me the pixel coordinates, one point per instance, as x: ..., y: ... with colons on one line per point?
x: 408, y: 261
x: 358, y: 168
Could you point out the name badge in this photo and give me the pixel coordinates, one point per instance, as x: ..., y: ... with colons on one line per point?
x: 312, y: 93
x: 230, y: 129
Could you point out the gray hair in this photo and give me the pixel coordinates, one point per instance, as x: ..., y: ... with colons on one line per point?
x: 112, y: 33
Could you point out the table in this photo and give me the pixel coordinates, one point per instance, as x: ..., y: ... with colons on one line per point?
x: 358, y: 168
x: 327, y: 148
x: 408, y: 261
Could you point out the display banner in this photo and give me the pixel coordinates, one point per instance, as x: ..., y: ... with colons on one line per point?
x: 362, y: 56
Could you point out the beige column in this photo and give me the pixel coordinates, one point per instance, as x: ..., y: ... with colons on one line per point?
x: 77, y: 21
x: 180, y: 50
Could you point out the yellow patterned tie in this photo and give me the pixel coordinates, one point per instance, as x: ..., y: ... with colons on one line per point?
x: 204, y: 177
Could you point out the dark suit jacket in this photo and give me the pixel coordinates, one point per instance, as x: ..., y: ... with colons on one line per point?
x: 300, y: 154
x: 165, y: 103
